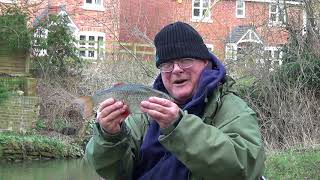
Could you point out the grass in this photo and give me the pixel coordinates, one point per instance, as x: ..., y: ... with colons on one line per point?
x: 293, y: 164
x: 37, y: 143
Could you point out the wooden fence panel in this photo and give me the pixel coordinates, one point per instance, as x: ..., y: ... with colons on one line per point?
x: 12, y: 63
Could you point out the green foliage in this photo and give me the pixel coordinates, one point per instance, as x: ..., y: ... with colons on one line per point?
x: 293, y: 164
x: 36, y: 143
x: 59, y: 124
x: 14, y: 33
x: 243, y: 85
x: 40, y: 124
x: 306, y: 72
x: 4, y: 93
x: 13, y: 83
x: 62, y: 54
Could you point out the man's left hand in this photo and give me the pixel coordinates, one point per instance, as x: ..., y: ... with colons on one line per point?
x: 163, y: 111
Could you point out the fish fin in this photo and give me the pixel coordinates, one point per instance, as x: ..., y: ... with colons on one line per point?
x: 85, y: 105
x: 118, y: 84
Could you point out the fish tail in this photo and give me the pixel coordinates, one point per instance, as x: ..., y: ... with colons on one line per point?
x: 85, y: 105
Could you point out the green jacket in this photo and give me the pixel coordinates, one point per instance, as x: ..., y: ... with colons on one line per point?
x: 224, y: 144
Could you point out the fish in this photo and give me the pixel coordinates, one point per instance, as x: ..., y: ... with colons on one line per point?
x: 129, y: 94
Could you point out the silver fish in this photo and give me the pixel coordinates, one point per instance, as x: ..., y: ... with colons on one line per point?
x: 129, y: 94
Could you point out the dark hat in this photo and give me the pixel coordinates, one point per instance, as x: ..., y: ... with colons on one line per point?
x: 179, y: 40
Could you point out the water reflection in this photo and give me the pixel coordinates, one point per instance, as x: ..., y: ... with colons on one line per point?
x: 47, y: 170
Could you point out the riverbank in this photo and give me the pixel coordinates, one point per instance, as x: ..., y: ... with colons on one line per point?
x: 288, y: 164
x: 17, y: 147
x: 60, y: 169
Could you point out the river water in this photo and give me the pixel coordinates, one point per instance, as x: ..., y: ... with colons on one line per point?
x: 47, y: 170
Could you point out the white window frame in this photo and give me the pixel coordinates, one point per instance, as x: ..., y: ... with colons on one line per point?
x: 231, y: 51
x: 93, y: 6
x: 8, y: 1
x: 201, y: 9
x: 279, y: 7
x: 304, y: 30
x: 273, y: 59
x: 293, y: 2
x: 243, y: 8
x: 88, y: 45
x: 40, y: 33
x: 210, y: 47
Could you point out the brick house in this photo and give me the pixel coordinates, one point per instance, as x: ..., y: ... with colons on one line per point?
x: 229, y: 27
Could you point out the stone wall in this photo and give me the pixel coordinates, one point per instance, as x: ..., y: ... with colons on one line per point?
x: 19, y: 113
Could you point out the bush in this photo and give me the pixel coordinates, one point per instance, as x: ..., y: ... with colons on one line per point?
x: 305, y: 73
x: 14, y: 33
x: 61, y: 57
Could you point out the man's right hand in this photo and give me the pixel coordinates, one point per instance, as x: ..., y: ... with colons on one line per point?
x: 111, y: 114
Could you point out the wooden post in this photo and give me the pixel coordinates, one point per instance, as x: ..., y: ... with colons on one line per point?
x: 134, y: 48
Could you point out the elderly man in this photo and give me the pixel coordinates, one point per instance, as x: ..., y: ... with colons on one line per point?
x: 207, y: 132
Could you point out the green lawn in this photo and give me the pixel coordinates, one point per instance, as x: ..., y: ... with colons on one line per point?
x: 293, y: 164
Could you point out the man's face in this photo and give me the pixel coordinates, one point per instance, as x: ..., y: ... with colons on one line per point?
x: 181, y: 83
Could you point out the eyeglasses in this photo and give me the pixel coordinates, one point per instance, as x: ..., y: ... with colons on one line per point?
x: 182, y: 63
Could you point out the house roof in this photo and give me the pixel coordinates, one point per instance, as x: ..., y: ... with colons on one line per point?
x: 54, y: 10
x: 238, y: 33
x: 47, y: 11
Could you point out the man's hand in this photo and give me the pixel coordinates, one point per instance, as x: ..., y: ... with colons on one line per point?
x: 163, y: 111
x: 111, y: 114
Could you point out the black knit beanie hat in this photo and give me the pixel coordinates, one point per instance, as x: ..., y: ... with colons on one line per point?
x: 179, y: 40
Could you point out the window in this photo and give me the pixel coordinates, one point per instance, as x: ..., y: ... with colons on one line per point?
x: 210, y: 47
x: 7, y: 1
x: 91, y: 45
x: 240, y: 9
x: 94, y: 2
x: 277, y: 15
x: 231, y: 51
x: 274, y: 55
x: 201, y: 10
x: 93, y: 5
x: 38, y: 38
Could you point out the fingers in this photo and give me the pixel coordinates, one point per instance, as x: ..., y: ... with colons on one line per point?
x: 156, y: 115
x: 106, y: 103
x: 158, y: 104
x: 110, y: 108
x: 161, y: 110
x: 161, y: 101
x: 111, y: 114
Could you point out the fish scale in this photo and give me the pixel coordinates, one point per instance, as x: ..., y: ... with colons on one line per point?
x: 129, y: 94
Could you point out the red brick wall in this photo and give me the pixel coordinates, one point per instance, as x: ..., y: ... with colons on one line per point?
x: 132, y: 20
x: 150, y: 17
x: 91, y: 20
x: 224, y: 20
x: 140, y: 17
